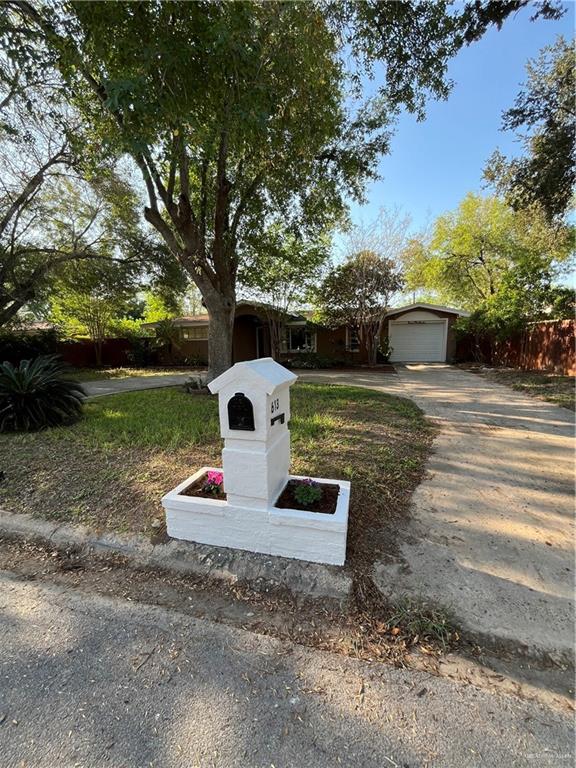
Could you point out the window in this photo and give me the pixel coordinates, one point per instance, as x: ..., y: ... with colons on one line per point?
x: 301, y: 339
x: 195, y: 333
x: 352, y: 340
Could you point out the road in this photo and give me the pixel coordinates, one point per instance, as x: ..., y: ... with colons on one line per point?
x: 90, y: 681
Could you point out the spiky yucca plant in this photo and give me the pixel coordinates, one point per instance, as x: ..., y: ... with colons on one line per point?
x: 35, y: 394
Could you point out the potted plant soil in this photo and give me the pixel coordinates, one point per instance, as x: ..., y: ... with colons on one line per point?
x: 209, y: 486
x: 308, y: 495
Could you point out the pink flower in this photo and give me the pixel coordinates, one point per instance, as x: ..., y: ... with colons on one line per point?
x: 214, y: 478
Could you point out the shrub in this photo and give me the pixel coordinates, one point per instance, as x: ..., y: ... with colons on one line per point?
x: 309, y: 360
x: 16, y: 346
x: 35, y: 395
x: 384, y: 350
x: 141, y: 353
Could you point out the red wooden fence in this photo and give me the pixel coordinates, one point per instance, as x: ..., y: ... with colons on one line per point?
x: 82, y: 354
x: 543, y: 346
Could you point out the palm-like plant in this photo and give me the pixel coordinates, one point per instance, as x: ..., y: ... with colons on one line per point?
x: 35, y: 394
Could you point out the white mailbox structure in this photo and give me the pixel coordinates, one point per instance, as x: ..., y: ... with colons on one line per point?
x: 254, y: 409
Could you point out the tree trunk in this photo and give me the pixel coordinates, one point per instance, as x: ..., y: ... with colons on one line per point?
x: 373, y: 349
x: 9, y: 312
x: 276, y: 328
x: 220, y: 332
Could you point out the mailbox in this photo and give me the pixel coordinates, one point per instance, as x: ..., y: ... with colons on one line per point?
x: 240, y: 413
x: 254, y: 408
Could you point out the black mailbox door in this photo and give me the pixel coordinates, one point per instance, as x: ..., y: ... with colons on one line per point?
x: 240, y: 413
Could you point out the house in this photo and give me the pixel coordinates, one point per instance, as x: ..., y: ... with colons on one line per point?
x: 418, y: 333
x: 422, y: 333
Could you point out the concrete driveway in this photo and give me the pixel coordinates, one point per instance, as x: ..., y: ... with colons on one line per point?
x: 491, y: 534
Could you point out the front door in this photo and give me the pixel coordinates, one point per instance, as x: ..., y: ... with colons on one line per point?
x: 262, y: 341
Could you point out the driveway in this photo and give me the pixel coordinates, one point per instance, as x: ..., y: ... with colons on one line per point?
x: 492, y: 523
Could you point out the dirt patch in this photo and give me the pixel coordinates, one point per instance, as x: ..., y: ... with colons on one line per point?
x: 326, y: 504
x: 543, y: 385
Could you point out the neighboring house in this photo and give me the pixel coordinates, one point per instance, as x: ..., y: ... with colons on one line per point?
x: 418, y: 333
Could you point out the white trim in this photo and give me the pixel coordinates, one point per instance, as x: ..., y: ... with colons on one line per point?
x: 433, y: 307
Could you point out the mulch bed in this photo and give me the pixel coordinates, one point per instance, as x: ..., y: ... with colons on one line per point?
x: 326, y: 505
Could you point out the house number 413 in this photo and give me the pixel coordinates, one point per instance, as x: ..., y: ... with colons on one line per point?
x: 275, y: 405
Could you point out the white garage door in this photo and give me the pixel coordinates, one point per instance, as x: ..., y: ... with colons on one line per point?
x: 417, y: 341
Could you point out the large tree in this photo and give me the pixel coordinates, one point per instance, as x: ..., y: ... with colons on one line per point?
x: 544, y: 119
x: 66, y: 221
x: 238, y: 112
x: 55, y: 209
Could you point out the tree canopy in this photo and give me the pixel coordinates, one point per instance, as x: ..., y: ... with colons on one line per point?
x: 238, y: 113
x: 544, y: 119
x: 487, y: 256
x: 357, y: 294
x: 282, y: 273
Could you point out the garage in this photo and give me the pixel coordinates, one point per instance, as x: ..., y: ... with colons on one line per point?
x: 420, y: 333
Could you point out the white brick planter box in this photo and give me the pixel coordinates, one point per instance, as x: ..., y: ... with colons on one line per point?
x: 313, y: 536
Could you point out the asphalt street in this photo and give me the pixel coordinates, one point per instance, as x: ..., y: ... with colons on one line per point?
x: 89, y: 681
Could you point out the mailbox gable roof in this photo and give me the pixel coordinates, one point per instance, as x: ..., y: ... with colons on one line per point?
x: 264, y: 372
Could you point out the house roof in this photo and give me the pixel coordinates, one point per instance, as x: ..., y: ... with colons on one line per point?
x: 420, y: 305
x: 265, y: 372
x: 35, y: 326
x: 183, y: 322
x: 303, y: 315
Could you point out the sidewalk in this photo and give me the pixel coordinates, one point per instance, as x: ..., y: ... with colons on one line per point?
x: 134, y: 383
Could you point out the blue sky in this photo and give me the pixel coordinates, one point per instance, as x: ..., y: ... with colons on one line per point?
x: 433, y: 164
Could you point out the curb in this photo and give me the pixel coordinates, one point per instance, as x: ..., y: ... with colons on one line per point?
x: 261, y: 572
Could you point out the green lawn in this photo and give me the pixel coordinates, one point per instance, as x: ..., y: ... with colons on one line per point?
x: 102, y: 374
x: 111, y: 468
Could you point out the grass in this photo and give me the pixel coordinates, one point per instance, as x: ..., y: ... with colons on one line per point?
x: 103, y: 374
x: 416, y: 619
x: 551, y: 387
x: 110, y: 470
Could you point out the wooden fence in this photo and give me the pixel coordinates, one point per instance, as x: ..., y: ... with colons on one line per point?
x: 82, y: 354
x: 542, y: 346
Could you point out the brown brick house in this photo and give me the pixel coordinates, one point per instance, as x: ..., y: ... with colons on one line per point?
x: 417, y: 332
